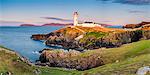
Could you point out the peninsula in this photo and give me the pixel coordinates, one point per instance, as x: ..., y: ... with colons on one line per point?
x: 83, y: 37
x: 75, y: 37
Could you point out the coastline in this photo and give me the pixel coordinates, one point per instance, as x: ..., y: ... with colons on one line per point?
x: 13, y: 63
x: 138, y: 59
x: 92, y: 58
x: 81, y: 38
x: 24, y: 59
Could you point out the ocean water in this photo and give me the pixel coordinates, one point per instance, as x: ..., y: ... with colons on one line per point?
x: 118, y: 26
x: 18, y: 39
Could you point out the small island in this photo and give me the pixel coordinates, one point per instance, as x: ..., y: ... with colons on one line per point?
x: 28, y: 25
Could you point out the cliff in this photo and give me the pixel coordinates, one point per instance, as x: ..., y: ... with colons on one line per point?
x: 124, y: 60
x: 105, y: 59
x: 39, y: 37
x: 85, y: 39
x: 12, y: 63
x: 81, y: 38
x: 132, y: 26
x: 69, y: 59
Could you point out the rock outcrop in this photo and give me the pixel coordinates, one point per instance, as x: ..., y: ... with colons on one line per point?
x: 39, y: 37
x: 92, y: 38
x: 84, y: 38
x: 132, y: 26
x: 69, y: 59
x: 114, y: 39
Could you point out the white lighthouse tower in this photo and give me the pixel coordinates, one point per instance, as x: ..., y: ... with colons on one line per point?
x: 75, y: 18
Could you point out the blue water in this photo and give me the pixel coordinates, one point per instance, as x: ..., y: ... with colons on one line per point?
x: 115, y: 26
x: 18, y: 39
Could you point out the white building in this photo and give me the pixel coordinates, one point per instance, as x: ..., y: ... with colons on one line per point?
x: 75, y: 19
x: 85, y: 24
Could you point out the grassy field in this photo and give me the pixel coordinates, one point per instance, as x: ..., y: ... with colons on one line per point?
x: 124, y: 60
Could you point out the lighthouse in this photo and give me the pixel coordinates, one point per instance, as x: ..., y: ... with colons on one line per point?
x: 83, y: 24
x: 75, y: 18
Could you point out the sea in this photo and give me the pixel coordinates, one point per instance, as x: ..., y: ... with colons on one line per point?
x: 17, y: 38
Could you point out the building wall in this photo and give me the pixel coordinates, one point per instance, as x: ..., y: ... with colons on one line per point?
x: 89, y: 25
x: 75, y: 18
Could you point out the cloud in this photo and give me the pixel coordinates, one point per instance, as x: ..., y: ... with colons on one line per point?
x: 102, y: 0
x: 59, y: 19
x: 106, y: 21
x: 134, y: 2
x: 131, y: 2
x: 136, y: 11
x: 10, y: 23
x: 2, y: 21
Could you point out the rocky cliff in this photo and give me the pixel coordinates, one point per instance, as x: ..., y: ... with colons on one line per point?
x: 39, y: 37
x: 80, y: 38
x: 73, y: 59
x: 132, y: 26
x: 87, y: 39
x: 69, y: 59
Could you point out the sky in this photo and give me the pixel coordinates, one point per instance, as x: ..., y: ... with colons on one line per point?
x: 113, y: 12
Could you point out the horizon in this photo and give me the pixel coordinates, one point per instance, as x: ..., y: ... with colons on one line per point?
x: 113, y: 12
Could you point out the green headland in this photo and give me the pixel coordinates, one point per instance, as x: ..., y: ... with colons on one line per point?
x: 124, y: 60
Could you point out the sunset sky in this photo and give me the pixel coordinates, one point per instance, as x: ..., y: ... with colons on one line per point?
x: 114, y: 12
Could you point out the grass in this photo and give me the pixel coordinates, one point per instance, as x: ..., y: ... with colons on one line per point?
x: 10, y: 62
x: 129, y: 58
x: 91, y: 37
x: 123, y: 52
x: 126, y: 67
x: 95, y: 34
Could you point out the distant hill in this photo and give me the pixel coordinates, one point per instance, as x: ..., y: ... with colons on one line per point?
x: 56, y: 24
x: 48, y: 24
x: 28, y: 25
x: 60, y: 24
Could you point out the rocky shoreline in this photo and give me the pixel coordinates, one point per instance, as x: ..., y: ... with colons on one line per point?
x: 22, y: 58
x: 68, y: 59
x: 116, y: 61
x: 84, y: 38
x: 73, y: 38
x: 132, y: 26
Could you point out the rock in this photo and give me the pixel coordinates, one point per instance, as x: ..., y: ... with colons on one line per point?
x: 132, y: 26
x: 9, y: 73
x: 79, y: 37
x: 117, y: 61
x: 143, y: 70
x: 69, y: 59
x: 73, y: 38
x: 37, y: 71
x: 39, y: 37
